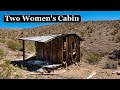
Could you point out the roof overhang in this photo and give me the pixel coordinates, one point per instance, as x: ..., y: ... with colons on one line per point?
x: 45, y: 38
x: 41, y: 38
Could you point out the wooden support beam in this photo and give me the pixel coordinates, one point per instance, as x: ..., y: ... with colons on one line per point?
x: 23, y: 50
x: 67, y: 50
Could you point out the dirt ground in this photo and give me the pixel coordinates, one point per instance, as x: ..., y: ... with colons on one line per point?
x: 83, y: 71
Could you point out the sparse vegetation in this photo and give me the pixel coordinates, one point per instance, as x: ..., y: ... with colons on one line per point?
x: 2, y: 53
x: 30, y: 48
x: 114, y: 32
x: 94, y: 57
x: 82, y: 51
x: 7, y: 70
x: 117, y: 38
x: 98, y: 36
x: 89, y: 30
x: 2, y: 40
x: 82, y: 34
x: 14, y: 45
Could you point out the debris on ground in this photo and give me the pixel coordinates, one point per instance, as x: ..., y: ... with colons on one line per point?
x: 116, y: 72
x: 91, y: 75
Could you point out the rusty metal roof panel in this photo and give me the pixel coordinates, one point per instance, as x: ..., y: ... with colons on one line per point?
x: 41, y: 38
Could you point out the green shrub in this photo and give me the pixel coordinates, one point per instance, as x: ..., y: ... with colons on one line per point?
x: 6, y: 71
x: 2, y: 53
x: 14, y: 45
x: 93, y: 57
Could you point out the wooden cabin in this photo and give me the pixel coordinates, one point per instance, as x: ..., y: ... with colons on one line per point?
x: 57, y: 49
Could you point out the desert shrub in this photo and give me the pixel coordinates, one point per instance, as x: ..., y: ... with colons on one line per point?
x: 6, y: 71
x: 2, y: 53
x: 14, y: 45
x: 93, y: 57
x: 89, y: 30
x: 82, y: 34
x: 31, y: 48
x: 114, y: 32
x: 2, y: 40
x: 82, y: 51
x: 117, y: 38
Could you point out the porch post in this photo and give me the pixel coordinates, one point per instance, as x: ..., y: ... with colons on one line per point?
x: 23, y: 50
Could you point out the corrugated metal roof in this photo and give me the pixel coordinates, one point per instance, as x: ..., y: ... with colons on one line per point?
x: 41, y: 38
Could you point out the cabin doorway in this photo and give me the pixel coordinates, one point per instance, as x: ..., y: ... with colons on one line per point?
x: 64, y: 49
x: 69, y: 50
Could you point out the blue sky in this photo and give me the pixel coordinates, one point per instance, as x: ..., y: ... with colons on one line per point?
x: 85, y: 16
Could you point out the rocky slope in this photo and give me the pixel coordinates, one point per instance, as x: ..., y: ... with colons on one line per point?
x: 99, y: 36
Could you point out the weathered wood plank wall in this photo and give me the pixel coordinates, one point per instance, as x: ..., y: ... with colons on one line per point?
x: 53, y: 50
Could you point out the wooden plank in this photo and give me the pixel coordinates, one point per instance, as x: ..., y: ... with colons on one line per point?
x: 37, y: 50
x: 91, y: 75
x: 40, y: 50
x: 48, y: 51
x: 71, y: 48
x: 60, y: 51
x: 57, y: 50
x: 46, y: 44
x: 44, y: 51
x: 51, y: 53
x: 67, y: 50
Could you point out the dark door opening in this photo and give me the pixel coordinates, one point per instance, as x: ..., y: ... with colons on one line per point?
x: 64, y: 50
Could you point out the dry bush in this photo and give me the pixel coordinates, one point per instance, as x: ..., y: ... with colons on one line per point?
x: 2, y: 40
x: 94, y: 57
x: 2, y: 53
x: 117, y: 38
x: 7, y: 71
x: 114, y: 32
x: 30, y: 47
x: 14, y: 45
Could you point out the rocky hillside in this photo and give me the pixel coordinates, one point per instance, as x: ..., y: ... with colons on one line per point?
x: 100, y: 39
x: 97, y: 35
